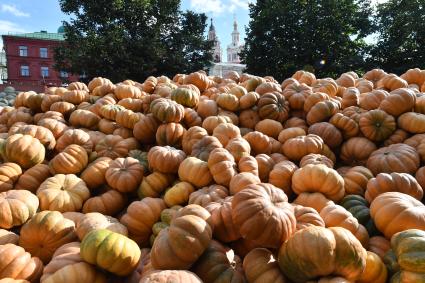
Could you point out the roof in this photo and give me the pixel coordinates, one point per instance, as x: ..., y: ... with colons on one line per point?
x: 39, y: 35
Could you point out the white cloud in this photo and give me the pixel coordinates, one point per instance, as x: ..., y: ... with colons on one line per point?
x: 219, y: 6
x: 6, y: 27
x: 6, y: 8
x: 238, y: 4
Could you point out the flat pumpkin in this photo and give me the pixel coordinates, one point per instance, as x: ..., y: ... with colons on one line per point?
x: 24, y: 150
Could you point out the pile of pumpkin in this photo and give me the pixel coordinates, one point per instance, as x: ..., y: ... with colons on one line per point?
x: 210, y: 179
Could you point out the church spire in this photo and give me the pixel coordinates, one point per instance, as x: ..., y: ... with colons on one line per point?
x: 212, y: 28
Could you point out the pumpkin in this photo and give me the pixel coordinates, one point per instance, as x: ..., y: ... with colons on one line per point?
x: 191, y: 118
x: 259, y: 142
x: 94, y: 220
x: 165, y: 159
x: 248, y: 118
x: 277, y: 215
x: 112, y: 146
x: 248, y: 100
x: 133, y: 104
x: 304, y: 77
x: 154, y: 184
x: 24, y: 150
x: 327, y: 251
x: 48, y: 100
x: 55, y: 126
x: 178, y: 194
x: 266, y: 87
x: 225, y: 132
x: 394, y: 212
x: 289, y: 133
x: 141, y: 216
x: 412, y: 122
x: 321, y: 111
x: 63, y: 193
x: 371, y: 100
x: 127, y: 118
x: 145, y: 129
x: 248, y: 164
x: 409, y: 248
x: 94, y: 174
x: 16, y: 263
x: 45, y: 232
x: 191, y: 136
x: 9, y: 174
x: 314, y: 158
x: 124, y: 174
x: 394, y: 182
x: 74, y: 136
x: 260, y: 265
x: 337, y: 216
x: 318, y: 178
x: 238, y: 148
x: 44, y: 135
x: 399, y: 101
x: 72, y: 160
x: 273, y: 106
x: 296, y: 148
x: 328, y: 132
x: 314, y: 200
x: 307, y: 216
x: 399, y: 158
x: 166, y: 110
x: 219, y: 264
x: 379, y: 245
x: 84, y: 119
x: 170, y: 134
x: 391, y: 82
x: 327, y: 85
x: 346, y: 125
x: 357, y: 150
x: 377, y: 125
x: 281, y: 175
x: 63, y: 107
x: 195, y: 171
x: 123, y: 91
x: 175, y: 276
x: 211, y: 122
x: 356, y: 180
x: 206, y: 195
x: 110, y: 251
x: 224, y: 228
x: 8, y: 237
x: 206, y: 108
x: 350, y: 97
x: 108, y: 203
x: 359, y: 208
x: 68, y: 266
x: 222, y: 166
x: 375, y: 270
x: 181, y: 245
x: 17, y: 206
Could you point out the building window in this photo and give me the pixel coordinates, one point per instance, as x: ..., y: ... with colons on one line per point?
x: 23, y: 51
x: 43, y: 52
x: 63, y: 74
x: 25, y: 71
x: 44, y: 71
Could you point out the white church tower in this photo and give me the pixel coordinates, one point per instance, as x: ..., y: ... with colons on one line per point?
x: 234, y: 48
x: 212, y: 36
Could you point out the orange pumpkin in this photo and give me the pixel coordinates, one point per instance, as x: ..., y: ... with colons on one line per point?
x: 124, y: 174
x: 276, y: 222
x: 399, y: 158
x: 165, y: 159
x: 24, y: 150
x: 108, y: 203
x: 72, y: 160
x: 377, y: 125
x: 9, y: 174
x: 16, y: 263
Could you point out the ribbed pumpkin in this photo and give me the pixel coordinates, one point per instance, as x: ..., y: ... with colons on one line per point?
x: 9, y: 174
x: 180, y: 245
x: 356, y: 151
x: 359, y: 208
x: 326, y: 251
x: 175, y: 276
x: 377, y: 125
x: 412, y: 122
x: 409, y: 248
x: 8, y: 237
x: 265, y: 207
x: 72, y: 160
x: 111, y: 251
x: 379, y: 245
x: 94, y: 174
x: 166, y: 110
x: 24, y: 150
x: 68, y: 266
x: 375, y: 271
x: 318, y: 178
x: 224, y: 228
x: 185, y: 96
x: 394, y: 212
x: 178, y: 194
x: 356, y: 179
x: 207, y: 195
x: 307, y: 216
x: 400, y: 158
x: 154, y: 184
x: 84, y: 119
x: 33, y: 177
x: 165, y: 159
x: 16, y: 263
x: 260, y: 265
x: 45, y: 232
x: 394, y: 182
x: 219, y: 264
x: 44, y: 135
x: 94, y: 221
x: 16, y: 207
x: 195, y: 171
x: 222, y: 166
x: 296, y: 148
x: 109, y: 203
x: 63, y: 193
x: 273, y: 106
x: 141, y: 216
x: 124, y: 174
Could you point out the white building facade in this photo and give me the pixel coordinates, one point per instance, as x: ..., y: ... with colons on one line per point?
x: 235, y: 47
x: 212, y: 36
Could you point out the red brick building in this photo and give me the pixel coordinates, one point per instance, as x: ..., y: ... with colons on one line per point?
x: 30, y: 61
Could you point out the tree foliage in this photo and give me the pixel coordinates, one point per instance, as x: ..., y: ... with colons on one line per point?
x: 326, y: 36
x: 132, y: 39
x: 401, y: 36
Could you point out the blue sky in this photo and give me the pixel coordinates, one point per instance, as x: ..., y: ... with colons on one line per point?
x: 36, y: 15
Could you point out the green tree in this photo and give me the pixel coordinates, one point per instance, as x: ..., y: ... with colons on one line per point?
x: 132, y: 39
x: 401, y: 36
x: 326, y: 35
